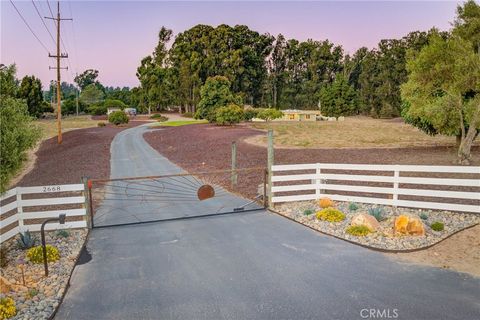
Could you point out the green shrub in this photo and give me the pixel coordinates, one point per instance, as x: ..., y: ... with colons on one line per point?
x: 358, y: 231
x: 269, y: 114
x: 308, y: 212
x: 377, y: 213
x: 32, y: 293
x: 158, y: 116
x: 229, y: 115
x: 3, y: 256
x: 331, y: 215
x: 437, y: 226
x: 17, y: 135
x: 118, y: 117
x: 162, y: 119
x: 249, y: 114
x: 26, y: 240
x: 188, y: 114
x: 101, y: 124
x: 62, y: 233
x: 352, y: 206
x: 423, y: 216
x: 35, y: 254
x: 7, y: 308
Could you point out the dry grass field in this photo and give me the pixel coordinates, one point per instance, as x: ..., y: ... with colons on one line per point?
x: 354, y: 132
x: 49, y: 126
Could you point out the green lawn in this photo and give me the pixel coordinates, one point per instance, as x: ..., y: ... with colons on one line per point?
x: 177, y: 123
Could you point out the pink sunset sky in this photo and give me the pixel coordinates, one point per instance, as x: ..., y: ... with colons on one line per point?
x: 113, y: 36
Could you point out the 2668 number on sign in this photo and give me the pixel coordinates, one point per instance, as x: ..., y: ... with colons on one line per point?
x: 51, y: 188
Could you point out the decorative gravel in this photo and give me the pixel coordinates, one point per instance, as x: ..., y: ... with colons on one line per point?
x: 384, y: 237
x: 40, y: 296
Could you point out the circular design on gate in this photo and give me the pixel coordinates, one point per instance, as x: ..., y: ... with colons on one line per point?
x: 205, y: 192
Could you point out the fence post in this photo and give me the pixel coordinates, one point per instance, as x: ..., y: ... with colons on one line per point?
x: 21, y: 226
x: 234, y: 177
x: 270, y: 159
x: 318, y: 181
x: 396, y: 175
x: 86, y: 205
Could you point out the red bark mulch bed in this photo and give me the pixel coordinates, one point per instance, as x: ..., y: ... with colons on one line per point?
x: 205, y: 147
x: 83, y: 152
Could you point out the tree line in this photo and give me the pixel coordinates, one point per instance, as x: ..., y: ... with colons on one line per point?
x: 267, y: 71
x: 263, y: 71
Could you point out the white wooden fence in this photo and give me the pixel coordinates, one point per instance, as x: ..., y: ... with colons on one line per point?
x: 317, y: 180
x: 19, y: 204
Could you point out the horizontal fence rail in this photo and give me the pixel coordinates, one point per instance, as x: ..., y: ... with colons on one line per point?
x: 26, y: 208
x: 457, y: 187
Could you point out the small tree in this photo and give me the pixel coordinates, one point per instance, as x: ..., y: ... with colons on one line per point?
x: 229, y: 115
x: 443, y: 91
x: 31, y: 91
x: 215, y: 93
x: 269, y: 114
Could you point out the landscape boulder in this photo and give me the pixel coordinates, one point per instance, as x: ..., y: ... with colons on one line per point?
x: 363, y: 219
x: 415, y: 227
x: 408, y: 226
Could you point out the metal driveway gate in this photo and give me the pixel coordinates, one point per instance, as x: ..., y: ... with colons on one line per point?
x: 135, y: 200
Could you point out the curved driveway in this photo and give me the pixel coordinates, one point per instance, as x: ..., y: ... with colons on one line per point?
x: 247, y: 266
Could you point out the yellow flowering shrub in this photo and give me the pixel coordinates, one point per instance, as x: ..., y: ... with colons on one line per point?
x: 35, y: 254
x: 7, y: 308
x: 331, y: 215
x: 358, y: 231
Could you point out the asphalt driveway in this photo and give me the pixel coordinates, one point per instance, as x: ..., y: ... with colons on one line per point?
x: 252, y: 265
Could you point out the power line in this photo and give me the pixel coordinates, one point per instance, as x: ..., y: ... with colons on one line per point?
x: 29, y: 28
x: 74, y: 37
x: 43, y: 21
x: 65, y: 48
x: 49, y: 8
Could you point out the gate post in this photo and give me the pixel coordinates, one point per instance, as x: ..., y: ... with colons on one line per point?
x: 270, y: 160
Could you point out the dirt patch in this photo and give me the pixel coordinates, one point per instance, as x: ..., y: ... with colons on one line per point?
x: 84, y: 152
x: 459, y: 252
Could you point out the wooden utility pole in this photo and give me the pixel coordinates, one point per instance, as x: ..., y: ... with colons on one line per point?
x: 58, y: 56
